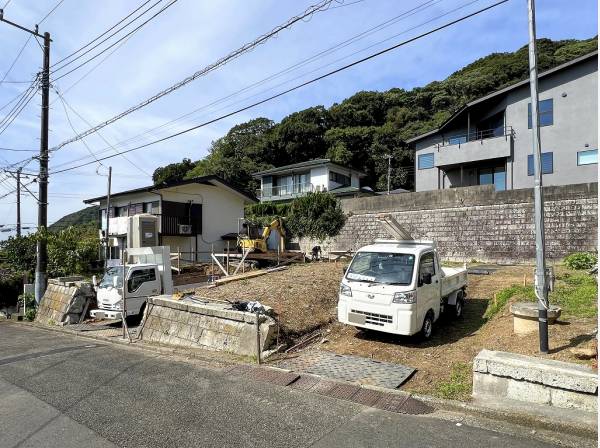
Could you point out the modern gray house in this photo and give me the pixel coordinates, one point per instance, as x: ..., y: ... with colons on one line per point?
x: 290, y: 181
x: 489, y: 140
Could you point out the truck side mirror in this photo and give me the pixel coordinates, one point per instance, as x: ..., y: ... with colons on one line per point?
x: 344, y: 269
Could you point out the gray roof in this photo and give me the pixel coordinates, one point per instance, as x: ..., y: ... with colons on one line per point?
x: 502, y: 92
x: 300, y: 165
x: 206, y: 180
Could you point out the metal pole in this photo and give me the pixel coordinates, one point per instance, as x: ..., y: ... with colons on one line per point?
x: 389, y: 173
x: 258, y: 361
x: 123, y: 312
x: 19, y: 202
x: 540, y: 264
x: 107, y: 255
x: 42, y: 252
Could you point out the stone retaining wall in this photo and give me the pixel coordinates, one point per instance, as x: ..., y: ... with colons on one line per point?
x: 501, y: 375
x: 210, y: 326
x: 65, y: 300
x: 477, y: 222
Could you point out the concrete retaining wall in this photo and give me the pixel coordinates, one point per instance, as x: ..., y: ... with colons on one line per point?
x: 65, y: 300
x: 210, y: 326
x: 501, y: 375
x: 478, y: 222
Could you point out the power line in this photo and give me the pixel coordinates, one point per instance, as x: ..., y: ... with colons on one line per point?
x: 311, y: 81
x: 15, y: 59
x: 65, y: 103
x: 18, y: 150
x: 50, y: 12
x: 111, y: 45
x: 224, y: 60
x: 8, y: 121
x: 104, y: 33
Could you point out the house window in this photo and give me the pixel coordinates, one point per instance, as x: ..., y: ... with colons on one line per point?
x: 121, y: 211
x: 151, y: 207
x: 457, y: 140
x: 425, y: 161
x: 136, y: 209
x: 545, y: 112
x: 547, y: 163
x: 589, y: 157
x: 338, y: 178
x: 493, y: 176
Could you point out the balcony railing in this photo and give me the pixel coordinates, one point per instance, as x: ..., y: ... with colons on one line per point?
x: 461, y: 139
x: 167, y: 225
x: 478, y: 146
x: 279, y: 191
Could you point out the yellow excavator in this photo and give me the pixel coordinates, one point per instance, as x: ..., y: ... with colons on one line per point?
x: 251, y: 239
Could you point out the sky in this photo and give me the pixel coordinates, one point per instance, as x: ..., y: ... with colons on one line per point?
x: 191, y: 34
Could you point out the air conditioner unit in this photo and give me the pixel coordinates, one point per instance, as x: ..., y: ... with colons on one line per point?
x: 185, y: 229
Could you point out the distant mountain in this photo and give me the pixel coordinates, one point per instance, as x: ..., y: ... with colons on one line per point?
x: 88, y: 215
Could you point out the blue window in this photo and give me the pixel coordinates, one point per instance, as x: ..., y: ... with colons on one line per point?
x: 547, y: 163
x: 589, y: 157
x: 545, y: 112
x: 493, y: 176
x: 425, y: 161
x: 457, y: 140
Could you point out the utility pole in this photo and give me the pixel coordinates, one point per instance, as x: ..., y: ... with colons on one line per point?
x: 389, y: 173
x: 541, y: 291
x: 107, y: 255
x: 42, y: 250
x: 19, y: 202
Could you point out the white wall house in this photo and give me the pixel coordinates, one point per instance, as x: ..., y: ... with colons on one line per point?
x: 290, y: 181
x: 193, y: 214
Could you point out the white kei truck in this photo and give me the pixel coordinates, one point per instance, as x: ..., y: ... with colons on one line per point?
x: 399, y: 286
x: 146, y: 273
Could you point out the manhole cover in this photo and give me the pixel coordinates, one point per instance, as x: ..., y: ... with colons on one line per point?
x: 350, y: 368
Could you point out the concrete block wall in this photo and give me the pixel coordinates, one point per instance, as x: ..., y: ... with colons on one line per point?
x: 65, y: 301
x: 209, y: 326
x: 509, y: 376
x: 477, y: 222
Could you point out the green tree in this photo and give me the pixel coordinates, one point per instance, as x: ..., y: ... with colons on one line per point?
x: 173, y: 172
x: 315, y: 215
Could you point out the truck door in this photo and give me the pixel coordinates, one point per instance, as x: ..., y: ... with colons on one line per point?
x: 428, y: 287
x: 141, y: 283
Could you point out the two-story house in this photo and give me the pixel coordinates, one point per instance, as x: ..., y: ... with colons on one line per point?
x: 489, y: 140
x: 193, y: 214
x: 290, y: 181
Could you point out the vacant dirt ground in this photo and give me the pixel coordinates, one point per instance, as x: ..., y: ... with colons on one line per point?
x: 305, y: 297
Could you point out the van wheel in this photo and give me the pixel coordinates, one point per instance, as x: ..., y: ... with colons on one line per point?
x: 427, y: 329
x: 458, y: 308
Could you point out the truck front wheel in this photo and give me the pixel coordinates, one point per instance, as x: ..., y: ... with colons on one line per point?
x: 427, y: 328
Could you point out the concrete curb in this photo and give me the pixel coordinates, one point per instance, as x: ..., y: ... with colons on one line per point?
x: 521, y: 419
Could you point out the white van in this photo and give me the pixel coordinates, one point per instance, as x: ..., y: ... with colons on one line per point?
x: 400, y: 287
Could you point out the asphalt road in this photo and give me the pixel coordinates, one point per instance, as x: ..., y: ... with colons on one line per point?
x: 57, y: 390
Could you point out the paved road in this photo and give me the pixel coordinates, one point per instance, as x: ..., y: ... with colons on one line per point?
x: 62, y: 391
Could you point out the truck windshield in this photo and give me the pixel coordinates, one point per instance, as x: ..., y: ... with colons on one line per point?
x: 111, y: 273
x: 382, y: 267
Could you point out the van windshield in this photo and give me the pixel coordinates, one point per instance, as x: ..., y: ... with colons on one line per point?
x: 111, y: 273
x: 382, y: 267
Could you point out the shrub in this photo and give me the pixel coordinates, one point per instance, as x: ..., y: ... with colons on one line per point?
x: 316, y: 215
x: 11, y: 285
x: 30, y: 314
x: 581, y: 260
x: 459, y: 385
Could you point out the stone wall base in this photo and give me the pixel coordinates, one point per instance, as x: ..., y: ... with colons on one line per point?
x: 65, y: 301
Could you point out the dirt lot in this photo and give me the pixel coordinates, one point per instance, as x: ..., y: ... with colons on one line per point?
x: 305, y: 297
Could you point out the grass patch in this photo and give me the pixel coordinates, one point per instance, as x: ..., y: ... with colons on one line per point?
x: 458, y: 387
x: 575, y: 293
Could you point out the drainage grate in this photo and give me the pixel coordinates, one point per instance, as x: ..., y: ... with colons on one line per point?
x: 374, y: 318
x: 323, y: 387
x: 305, y: 382
x: 392, y: 402
x: 368, y: 397
x: 273, y: 376
x: 238, y: 370
x: 416, y: 407
x: 343, y: 391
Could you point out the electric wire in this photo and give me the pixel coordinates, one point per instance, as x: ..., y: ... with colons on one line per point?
x: 294, y: 88
x: 222, y: 61
x: 113, y: 44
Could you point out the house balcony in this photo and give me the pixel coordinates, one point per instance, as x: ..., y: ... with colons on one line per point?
x: 168, y: 225
x: 475, y: 147
x: 283, y: 192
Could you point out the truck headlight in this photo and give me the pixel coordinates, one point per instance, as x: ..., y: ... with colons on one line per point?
x: 405, y: 297
x: 345, y: 290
